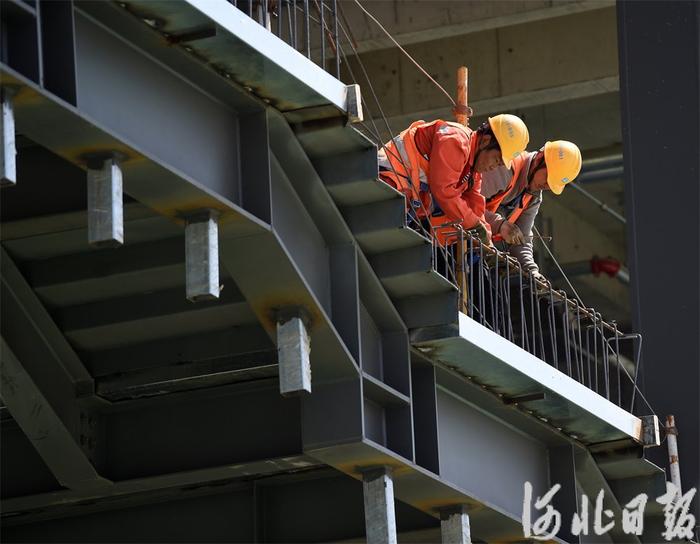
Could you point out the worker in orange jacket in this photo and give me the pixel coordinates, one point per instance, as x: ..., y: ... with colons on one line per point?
x: 513, y: 196
x: 438, y: 166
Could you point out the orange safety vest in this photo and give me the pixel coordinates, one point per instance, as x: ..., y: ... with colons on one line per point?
x: 408, y: 169
x: 493, y: 202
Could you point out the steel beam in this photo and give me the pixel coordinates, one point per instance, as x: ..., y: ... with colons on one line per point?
x: 380, y: 518
x: 649, y: 34
x: 44, y: 428
x: 105, y: 204
x: 30, y: 329
x: 562, y: 471
x: 194, y: 348
x: 202, y: 256
x: 8, y: 152
x: 454, y: 526
x: 511, y: 371
x: 294, y: 348
x: 148, y: 489
x: 139, y: 318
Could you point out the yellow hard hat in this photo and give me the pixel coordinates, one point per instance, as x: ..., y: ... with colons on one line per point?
x: 563, y: 160
x: 511, y: 134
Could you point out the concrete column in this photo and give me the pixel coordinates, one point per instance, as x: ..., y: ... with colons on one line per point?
x: 202, y: 256
x: 293, y: 346
x: 454, y: 526
x: 8, y: 152
x: 380, y: 518
x: 105, y: 204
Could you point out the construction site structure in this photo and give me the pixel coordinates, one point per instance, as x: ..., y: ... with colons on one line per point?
x: 219, y: 325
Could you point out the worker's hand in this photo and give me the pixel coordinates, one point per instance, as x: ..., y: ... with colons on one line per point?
x: 541, y: 281
x: 482, y: 233
x: 539, y: 276
x: 511, y: 233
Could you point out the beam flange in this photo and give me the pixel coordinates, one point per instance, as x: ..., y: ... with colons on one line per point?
x: 8, y: 152
x: 105, y: 203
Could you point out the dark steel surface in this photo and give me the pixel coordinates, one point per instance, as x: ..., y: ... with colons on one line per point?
x: 655, y: 92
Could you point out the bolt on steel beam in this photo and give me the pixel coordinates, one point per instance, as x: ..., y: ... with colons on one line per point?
x: 202, y: 256
x: 8, y: 152
x: 294, y: 348
x: 380, y: 518
x: 105, y: 203
x: 454, y: 525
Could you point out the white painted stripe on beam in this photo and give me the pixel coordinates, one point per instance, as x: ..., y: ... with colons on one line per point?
x: 266, y: 43
x: 549, y: 377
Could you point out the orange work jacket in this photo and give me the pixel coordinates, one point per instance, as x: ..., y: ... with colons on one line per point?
x: 443, y: 198
x: 493, y: 202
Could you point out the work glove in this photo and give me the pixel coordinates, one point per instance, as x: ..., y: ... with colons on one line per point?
x: 511, y: 233
x: 482, y: 233
x: 538, y: 276
x: 541, y: 282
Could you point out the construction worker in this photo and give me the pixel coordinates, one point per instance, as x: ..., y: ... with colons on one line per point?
x: 513, y: 196
x: 438, y: 166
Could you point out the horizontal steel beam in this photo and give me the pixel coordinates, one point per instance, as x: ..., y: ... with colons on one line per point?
x: 422, y: 489
x: 188, y: 377
x: 291, y: 80
x: 138, y: 318
x: 149, y: 174
x: 68, y: 503
x: 44, y: 427
x: 196, y: 347
x: 29, y: 329
x: 506, y: 369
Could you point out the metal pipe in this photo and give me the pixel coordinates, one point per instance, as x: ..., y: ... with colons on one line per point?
x: 672, y: 441
x: 603, y: 206
x: 600, y: 175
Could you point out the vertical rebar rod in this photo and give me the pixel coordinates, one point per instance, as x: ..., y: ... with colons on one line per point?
x: 293, y: 20
x: 323, y: 35
x: 507, y: 301
x: 335, y: 39
x: 565, y: 327
x: 552, y: 329
x: 588, y: 359
x: 532, y: 315
x: 606, y: 361
x: 497, y: 283
x: 280, y: 13
x: 470, y: 292
x: 482, y: 317
x: 307, y: 29
x: 617, y: 361
x: 595, y: 350
x: 523, y: 330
